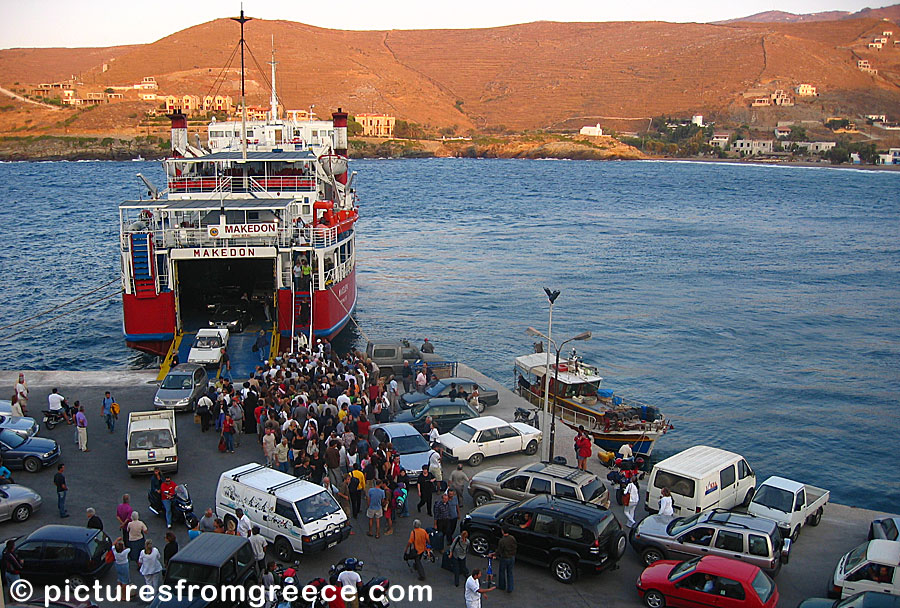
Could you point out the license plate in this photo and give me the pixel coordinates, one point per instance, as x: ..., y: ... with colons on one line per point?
x: 151, y: 455
x: 332, y: 544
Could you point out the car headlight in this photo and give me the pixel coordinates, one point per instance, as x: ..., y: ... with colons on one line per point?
x: 158, y: 401
x: 184, y: 401
x: 48, y: 454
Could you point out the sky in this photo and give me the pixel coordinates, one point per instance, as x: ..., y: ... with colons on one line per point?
x: 86, y: 23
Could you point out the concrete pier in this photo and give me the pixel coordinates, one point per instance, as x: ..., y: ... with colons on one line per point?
x: 98, y: 479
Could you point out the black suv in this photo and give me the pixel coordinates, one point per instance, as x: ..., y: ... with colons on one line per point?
x: 55, y: 553
x: 567, y: 535
x: 214, y: 559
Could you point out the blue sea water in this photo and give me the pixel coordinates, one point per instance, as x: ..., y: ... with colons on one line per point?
x: 758, y: 306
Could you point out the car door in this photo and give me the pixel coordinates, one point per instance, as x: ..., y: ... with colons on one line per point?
x: 689, y: 591
x: 539, y: 486
x: 29, y: 554
x: 11, y: 458
x: 508, y: 440
x: 514, y: 487
x: 728, y: 543
x: 61, y: 558
x: 533, y: 542
x: 4, y: 506
x: 870, y: 576
x: 487, y: 442
x: 695, y: 541
x: 731, y: 593
x: 565, y: 490
x: 727, y: 487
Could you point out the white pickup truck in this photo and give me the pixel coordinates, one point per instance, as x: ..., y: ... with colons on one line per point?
x: 791, y: 504
x: 208, y: 345
x: 152, y: 442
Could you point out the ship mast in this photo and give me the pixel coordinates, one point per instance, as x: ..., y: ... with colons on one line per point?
x: 242, y: 20
x: 274, y: 100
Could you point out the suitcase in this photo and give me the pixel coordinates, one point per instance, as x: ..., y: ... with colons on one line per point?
x: 436, y: 538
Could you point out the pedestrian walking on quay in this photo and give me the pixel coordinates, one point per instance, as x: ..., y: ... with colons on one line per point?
x: 93, y: 521
x: 11, y: 565
x: 170, y: 549
x: 61, y: 489
x: 123, y: 571
x: 416, y: 547
x: 630, y: 499
x: 123, y: 513
x: 228, y: 429
x: 261, y: 346
x: 459, y: 483
x: 458, y: 550
x: 442, y: 517
x: 136, y: 530
x: 506, y: 551
x: 474, y: 591
x: 109, y: 411
x: 426, y: 489
x: 81, y: 427
x: 22, y: 395
x: 167, y: 494
x: 204, y: 410
x: 259, y: 544
x: 151, y: 566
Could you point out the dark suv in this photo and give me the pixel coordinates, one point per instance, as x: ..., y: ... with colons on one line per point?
x: 55, y: 553
x: 214, y: 559
x: 567, y: 535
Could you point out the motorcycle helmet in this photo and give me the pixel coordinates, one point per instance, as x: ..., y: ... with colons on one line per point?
x: 618, y: 462
x: 289, y: 581
x: 351, y: 563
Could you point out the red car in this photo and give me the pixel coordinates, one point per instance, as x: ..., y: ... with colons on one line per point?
x: 706, y: 581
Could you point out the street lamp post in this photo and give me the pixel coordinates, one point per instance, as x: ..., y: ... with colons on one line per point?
x: 545, y: 411
x: 586, y: 335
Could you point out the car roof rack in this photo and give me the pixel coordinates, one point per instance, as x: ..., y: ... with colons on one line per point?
x: 283, y: 484
x: 237, y: 476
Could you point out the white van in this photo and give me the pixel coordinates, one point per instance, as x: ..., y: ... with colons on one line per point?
x: 292, y: 514
x: 701, y: 478
x: 152, y: 442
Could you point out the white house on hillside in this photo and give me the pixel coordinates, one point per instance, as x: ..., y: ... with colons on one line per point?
x: 592, y: 131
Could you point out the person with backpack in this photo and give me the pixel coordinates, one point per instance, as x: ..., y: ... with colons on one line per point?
x: 204, y: 408
x: 110, y: 411
x: 356, y: 485
x: 458, y: 550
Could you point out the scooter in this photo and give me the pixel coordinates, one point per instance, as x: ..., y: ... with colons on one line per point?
x: 529, y: 417
x: 52, y: 418
x: 365, y: 592
x: 182, y: 508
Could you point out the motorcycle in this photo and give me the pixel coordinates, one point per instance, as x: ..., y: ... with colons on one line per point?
x: 182, y: 508
x: 52, y: 418
x: 365, y: 592
x: 529, y: 417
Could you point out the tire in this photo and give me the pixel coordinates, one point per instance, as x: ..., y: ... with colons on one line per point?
x: 654, y: 599
x: 531, y: 448
x: 795, y: 534
x: 816, y: 519
x: 481, y: 498
x: 480, y: 544
x: 564, y: 569
x: 652, y: 554
x: 283, y: 549
x: 747, y: 498
x: 50, y: 425
x: 476, y: 459
x: 77, y: 580
x: 617, y: 544
x: 480, y: 408
x: 21, y: 513
x: 32, y: 464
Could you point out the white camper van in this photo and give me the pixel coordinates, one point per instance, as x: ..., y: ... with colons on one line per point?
x: 152, y: 442
x: 701, y: 478
x: 293, y: 514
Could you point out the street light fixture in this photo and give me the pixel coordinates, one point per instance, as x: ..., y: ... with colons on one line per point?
x: 552, y: 294
x: 585, y: 335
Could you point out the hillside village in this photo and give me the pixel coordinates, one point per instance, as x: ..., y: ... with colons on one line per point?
x: 770, y: 91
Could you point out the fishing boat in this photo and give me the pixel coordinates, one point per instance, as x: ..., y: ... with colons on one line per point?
x: 263, y: 218
x: 577, y: 399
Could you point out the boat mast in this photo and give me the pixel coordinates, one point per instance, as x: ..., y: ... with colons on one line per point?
x: 274, y: 100
x: 242, y: 20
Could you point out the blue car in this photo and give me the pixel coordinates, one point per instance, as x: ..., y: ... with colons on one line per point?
x: 31, y: 454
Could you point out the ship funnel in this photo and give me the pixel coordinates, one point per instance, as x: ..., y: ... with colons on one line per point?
x: 339, y: 119
x: 179, y: 134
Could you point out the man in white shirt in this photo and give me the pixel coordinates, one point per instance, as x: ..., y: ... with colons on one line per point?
x: 421, y: 381
x: 258, y: 542
x: 57, y: 403
x: 625, y: 451
x: 352, y: 579
x: 433, y: 434
x: 243, y: 525
x: 434, y: 463
x: 474, y: 590
x: 343, y: 399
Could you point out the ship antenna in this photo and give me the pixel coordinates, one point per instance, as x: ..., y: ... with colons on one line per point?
x: 242, y: 20
x: 274, y: 94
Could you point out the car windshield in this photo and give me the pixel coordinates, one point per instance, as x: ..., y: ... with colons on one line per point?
x: 435, y: 389
x: 409, y: 444
x: 763, y: 586
x: 317, y: 506
x: 869, y: 600
x: 677, y: 526
x: 463, y: 431
x: 418, y: 410
x: 12, y: 439
x: 854, y: 559
x: 208, y: 342
x: 505, y: 474
x: 176, y: 382
x: 191, y: 573
x: 593, y: 490
x: 774, y: 498
x: 151, y: 439
x: 683, y: 568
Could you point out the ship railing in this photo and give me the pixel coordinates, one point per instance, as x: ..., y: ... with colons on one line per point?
x: 574, y: 417
x: 227, y: 183
x: 199, y: 237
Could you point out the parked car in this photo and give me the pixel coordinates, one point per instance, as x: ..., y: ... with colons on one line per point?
x: 872, y: 566
x: 231, y: 317
x: 408, y: 442
x: 18, y: 502
x: 30, y: 454
x: 214, y: 559
x: 789, y: 503
x: 475, y: 439
x: 751, y: 539
x: 442, y: 388
x: 706, y: 581
x: 446, y: 413
x: 6, y: 407
x: 885, y: 529
x: 390, y: 355
x: 567, y: 535
x: 24, y: 426
x: 56, y: 553
x: 182, y: 387
x: 867, y: 599
x: 207, y: 346
x: 515, y: 484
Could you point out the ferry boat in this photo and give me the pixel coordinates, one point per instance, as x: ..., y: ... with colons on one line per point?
x: 576, y: 399
x: 233, y: 222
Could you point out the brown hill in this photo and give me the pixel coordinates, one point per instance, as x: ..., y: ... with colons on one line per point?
x: 888, y: 12
x: 536, y: 75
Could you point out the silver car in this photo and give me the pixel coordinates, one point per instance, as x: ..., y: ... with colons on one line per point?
x: 26, y: 427
x: 885, y: 529
x: 18, y: 502
x: 515, y: 484
x: 182, y: 387
x: 751, y: 539
x: 408, y: 442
